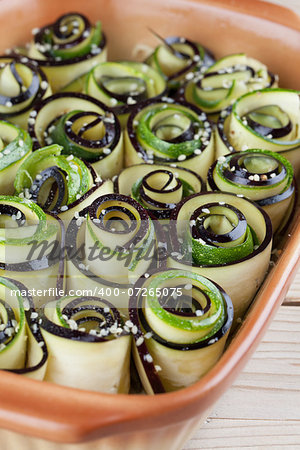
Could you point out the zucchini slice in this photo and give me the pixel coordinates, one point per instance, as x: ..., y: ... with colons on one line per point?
x: 120, y: 85
x: 87, y: 344
x: 226, y: 80
x: 110, y: 244
x: 58, y: 183
x: 178, y: 58
x: 84, y: 127
x: 66, y: 49
x: 22, y: 85
x: 226, y: 238
x: 180, y: 322
x: 158, y: 188
x: 31, y: 246
x: 168, y: 132
x: 267, y: 119
x: 263, y: 176
x: 22, y: 346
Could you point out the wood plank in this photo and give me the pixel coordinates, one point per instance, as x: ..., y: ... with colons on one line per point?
x: 293, y: 295
x: 262, y: 408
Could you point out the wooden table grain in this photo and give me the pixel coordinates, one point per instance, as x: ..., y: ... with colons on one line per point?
x: 262, y: 408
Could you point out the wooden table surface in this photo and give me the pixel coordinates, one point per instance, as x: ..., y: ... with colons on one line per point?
x: 262, y: 408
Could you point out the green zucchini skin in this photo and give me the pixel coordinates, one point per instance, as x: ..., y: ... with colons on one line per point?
x: 15, y: 146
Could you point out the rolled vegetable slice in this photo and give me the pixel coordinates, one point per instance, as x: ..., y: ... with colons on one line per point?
x: 83, y: 126
x: 58, y: 183
x: 88, y: 346
x: 66, y: 49
x: 177, y: 58
x: 158, y: 188
x: 22, y: 347
x: 226, y: 80
x: 268, y: 119
x: 181, y: 322
x: 262, y: 176
x: 22, y: 85
x: 226, y: 238
x: 15, y: 146
x: 109, y: 245
x: 120, y: 85
x: 31, y: 247
x: 169, y: 132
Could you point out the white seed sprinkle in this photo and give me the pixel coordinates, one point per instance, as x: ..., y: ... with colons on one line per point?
x: 181, y: 157
x: 131, y: 101
x: 139, y: 341
x: 148, y: 358
x: 44, y: 84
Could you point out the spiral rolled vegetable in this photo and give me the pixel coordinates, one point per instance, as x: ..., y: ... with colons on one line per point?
x: 31, y: 244
x: 177, y: 58
x: 15, y: 146
x: 226, y: 238
x: 87, y: 344
x: 67, y: 48
x: 169, y: 132
x: 262, y: 176
x: 180, y: 322
x: 83, y: 126
x: 22, y: 85
x: 110, y: 244
x: 120, y: 85
x: 158, y: 188
x: 226, y: 80
x: 58, y: 183
x: 22, y: 347
x: 268, y: 119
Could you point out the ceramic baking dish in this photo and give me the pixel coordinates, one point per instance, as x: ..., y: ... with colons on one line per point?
x: 40, y: 415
